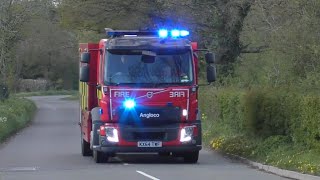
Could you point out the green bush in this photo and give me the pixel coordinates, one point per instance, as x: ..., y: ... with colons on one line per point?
x: 15, y: 113
x: 306, y: 128
x: 268, y: 112
x: 262, y: 113
x: 231, y: 109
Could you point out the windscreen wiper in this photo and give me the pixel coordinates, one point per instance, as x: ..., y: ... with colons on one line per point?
x: 168, y: 84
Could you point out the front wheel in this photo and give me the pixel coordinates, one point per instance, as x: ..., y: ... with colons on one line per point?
x: 85, y: 147
x: 191, y: 157
x: 100, y: 157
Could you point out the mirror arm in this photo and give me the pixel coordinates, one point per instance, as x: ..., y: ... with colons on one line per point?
x: 207, y: 84
x: 98, y: 86
x: 202, y: 50
x: 91, y: 84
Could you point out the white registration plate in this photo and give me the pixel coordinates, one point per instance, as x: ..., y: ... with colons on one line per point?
x: 149, y: 144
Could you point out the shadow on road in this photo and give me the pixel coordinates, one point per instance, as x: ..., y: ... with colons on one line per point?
x: 134, y: 158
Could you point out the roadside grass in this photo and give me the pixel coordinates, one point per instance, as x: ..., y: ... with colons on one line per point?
x: 275, y: 151
x: 15, y: 114
x: 47, y: 93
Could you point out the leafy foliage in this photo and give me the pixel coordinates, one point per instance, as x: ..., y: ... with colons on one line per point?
x: 289, y: 31
x: 12, y: 16
x: 32, y: 45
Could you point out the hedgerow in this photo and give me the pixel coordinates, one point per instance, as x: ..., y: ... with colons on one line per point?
x: 265, y: 124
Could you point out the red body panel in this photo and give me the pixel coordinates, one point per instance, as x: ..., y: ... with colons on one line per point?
x: 150, y: 97
x: 91, y: 96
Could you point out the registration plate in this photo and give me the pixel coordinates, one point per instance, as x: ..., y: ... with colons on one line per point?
x: 149, y: 144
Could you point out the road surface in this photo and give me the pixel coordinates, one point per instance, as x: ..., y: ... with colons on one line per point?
x: 50, y: 149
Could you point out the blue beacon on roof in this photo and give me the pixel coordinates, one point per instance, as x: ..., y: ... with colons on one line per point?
x: 175, y: 33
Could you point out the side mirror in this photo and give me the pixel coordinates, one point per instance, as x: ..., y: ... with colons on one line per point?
x: 211, y: 73
x: 84, y: 73
x: 85, y: 57
x: 210, y: 58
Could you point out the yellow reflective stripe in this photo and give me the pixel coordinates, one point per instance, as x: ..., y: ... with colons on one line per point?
x: 99, y: 94
x: 84, y: 89
x: 86, y: 95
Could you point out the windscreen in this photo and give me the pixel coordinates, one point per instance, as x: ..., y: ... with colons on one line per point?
x: 148, y: 67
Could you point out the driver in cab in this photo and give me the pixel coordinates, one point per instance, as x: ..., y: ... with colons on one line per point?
x: 119, y: 74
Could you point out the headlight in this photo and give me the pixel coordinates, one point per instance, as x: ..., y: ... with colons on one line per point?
x: 112, y: 134
x: 186, y: 134
x: 184, y: 112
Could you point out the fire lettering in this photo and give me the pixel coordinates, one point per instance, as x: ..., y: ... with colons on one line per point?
x: 177, y: 94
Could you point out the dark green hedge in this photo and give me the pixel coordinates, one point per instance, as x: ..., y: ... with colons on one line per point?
x: 15, y: 113
x: 265, y: 112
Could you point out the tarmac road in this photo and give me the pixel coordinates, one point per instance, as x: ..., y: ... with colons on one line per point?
x: 50, y: 149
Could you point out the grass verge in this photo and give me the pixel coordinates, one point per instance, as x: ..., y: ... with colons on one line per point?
x: 15, y: 114
x: 275, y: 151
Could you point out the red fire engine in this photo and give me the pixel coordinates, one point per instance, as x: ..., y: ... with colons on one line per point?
x: 139, y: 93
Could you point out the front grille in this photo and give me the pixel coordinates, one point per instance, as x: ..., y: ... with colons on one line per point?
x: 165, y: 134
x: 140, y: 116
x: 149, y: 136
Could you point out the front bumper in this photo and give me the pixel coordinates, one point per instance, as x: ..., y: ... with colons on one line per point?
x: 124, y: 149
x: 169, y: 135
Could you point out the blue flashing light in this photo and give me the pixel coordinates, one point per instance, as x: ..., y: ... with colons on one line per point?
x: 175, y: 33
x: 100, y: 111
x: 163, y: 33
x: 129, y: 104
x: 184, y: 33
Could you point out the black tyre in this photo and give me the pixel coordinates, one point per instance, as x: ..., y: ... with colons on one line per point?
x: 85, y: 147
x: 100, y: 157
x: 191, y: 157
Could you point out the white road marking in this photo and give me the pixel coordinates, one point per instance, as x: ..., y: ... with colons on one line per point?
x: 23, y: 169
x: 147, y: 175
x: 126, y: 164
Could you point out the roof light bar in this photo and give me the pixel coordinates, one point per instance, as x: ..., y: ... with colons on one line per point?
x: 117, y: 33
x: 162, y: 33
